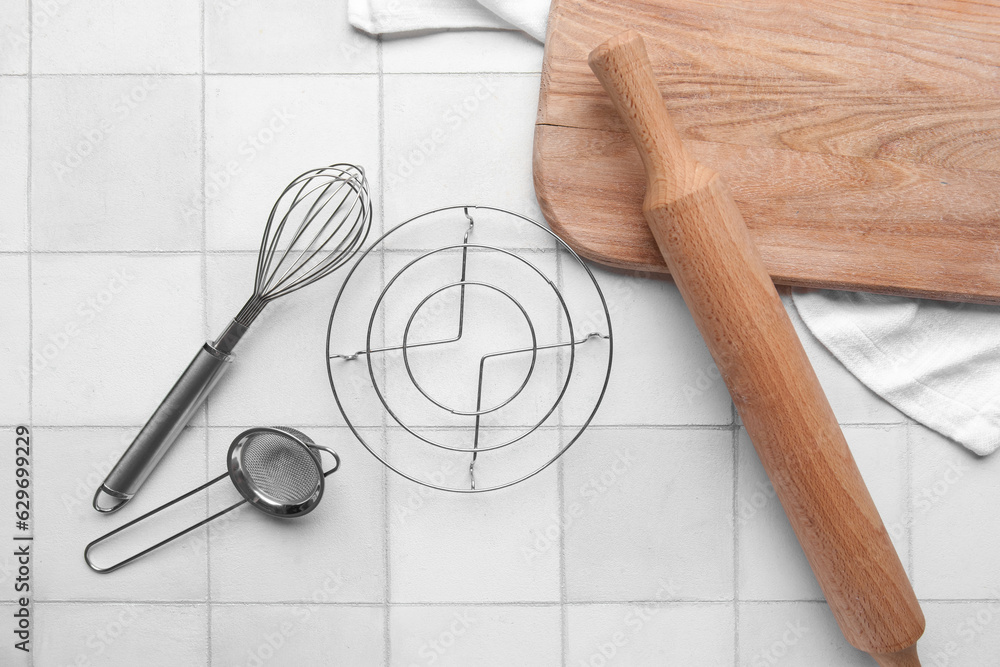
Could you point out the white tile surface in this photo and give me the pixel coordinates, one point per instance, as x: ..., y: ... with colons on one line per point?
x: 442, y: 458
x: 160, y: 36
x: 448, y: 547
x: 14, y: 156
x: 663, y: 373
x: 14, y: 356
x: 349, y: 334
x: 114, y: 634
x: 595, y: 360
x: 285, y: 348
x: 69, y: 465
x: 15, y: 38
x: 114, y: 332
x: 961, y: 634
x: 263, y: 131
x: 462, y: 51
x: 297, y: 635
x: 648, y: 515
x: 794, y: 633
x: 448, y: 138
x: 956, y: 533
x: 115, y: 160
x: 336, y: 553
x: 650, y: 634
x: 772, y: 565
x: 486, y: 636
x: 298, y: 36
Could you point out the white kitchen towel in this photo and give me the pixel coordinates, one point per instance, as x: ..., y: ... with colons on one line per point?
x: 936, y: 361
x: 382, y: 17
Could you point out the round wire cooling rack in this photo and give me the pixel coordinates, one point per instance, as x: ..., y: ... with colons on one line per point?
x: 476, y: 334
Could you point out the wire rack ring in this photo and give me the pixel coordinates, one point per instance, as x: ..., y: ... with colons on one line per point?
x: 512, y: 263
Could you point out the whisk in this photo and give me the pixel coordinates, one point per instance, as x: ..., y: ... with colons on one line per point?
x: 316, y: 226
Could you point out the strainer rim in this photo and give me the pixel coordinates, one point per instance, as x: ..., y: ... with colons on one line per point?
x: 253, y: 494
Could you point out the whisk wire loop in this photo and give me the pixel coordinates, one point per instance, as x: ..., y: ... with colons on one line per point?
x: 337, y: 208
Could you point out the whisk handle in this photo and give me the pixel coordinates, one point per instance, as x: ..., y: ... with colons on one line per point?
x: 159, y: 433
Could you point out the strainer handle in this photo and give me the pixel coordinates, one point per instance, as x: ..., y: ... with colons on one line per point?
x: 126, y: 561
x: 332, y: 453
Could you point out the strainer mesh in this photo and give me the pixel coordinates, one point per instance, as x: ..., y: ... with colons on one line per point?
x: 280, y: 468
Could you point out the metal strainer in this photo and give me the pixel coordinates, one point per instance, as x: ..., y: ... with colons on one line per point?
x: 276, y: 469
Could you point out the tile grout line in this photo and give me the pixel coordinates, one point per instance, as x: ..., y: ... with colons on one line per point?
x: 31, y: 283
x: 234, y: 426
x: 543, y: 604
x: 240, y: 251
x: 736, y: 535
x: 908, y: 506
x: 205, y: 329
x: 561, y: 488
x: 355, y: 75
x: 435, y: 427
x: 386, y: 533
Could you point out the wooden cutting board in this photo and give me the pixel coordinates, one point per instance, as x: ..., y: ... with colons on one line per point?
x: 861, y: 138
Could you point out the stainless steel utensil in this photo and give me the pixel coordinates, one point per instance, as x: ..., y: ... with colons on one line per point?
x: 276, y: 469
x: 317, y: 224
x: 422, y: 277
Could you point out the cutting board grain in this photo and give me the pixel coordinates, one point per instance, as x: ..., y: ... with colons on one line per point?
x: 860, y: 138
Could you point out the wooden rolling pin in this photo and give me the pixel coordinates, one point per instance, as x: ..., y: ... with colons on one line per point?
x: 719, y: 272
